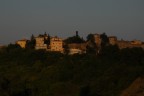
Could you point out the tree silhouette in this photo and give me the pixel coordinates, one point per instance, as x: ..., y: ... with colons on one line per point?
x: 104, y: 40
x: 31, y: 44
x: 91, y: 46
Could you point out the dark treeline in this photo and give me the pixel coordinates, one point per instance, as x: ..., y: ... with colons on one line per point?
x: 28, y: 72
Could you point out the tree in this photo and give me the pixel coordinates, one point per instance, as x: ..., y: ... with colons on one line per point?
x: 66, y: 49
x: 90, y: 37
x: 91, y: 46
x: 31, y: 44
x: 32, y: 37
x: 77, y: 35
x: 13, y: 47
x: 104, y: 43
x: 132, y: 55
x: 104, y: 40
x: 74, y: 39
x: 110, y: 51
x: 47, y: 40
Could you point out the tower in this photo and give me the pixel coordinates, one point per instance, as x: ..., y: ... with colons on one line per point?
x: 77, y: 34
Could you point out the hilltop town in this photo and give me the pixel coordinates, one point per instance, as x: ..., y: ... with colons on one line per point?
x: 75, y: 44
x: 51, y: 66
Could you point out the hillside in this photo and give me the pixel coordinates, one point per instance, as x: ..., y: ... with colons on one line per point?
x: 25, y: 72
x: 135, y: 89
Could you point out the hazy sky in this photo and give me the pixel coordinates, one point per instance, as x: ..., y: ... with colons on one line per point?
x: 21, y: 18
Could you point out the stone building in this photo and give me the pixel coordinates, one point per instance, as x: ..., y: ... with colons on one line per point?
x: 136, y: 42
x: 22, y: 43
x: 40, y: 43
x: 121, y: 43
x: 97, y: 39
x: 77, y: 48
x: 129, y: 44
x: 56, y: 44
x: 112, y: 40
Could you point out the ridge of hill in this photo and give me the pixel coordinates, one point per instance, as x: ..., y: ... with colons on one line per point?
x: 135, y: 89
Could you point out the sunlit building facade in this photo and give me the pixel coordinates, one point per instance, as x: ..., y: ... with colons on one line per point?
x: 22, y: 43
x: 56, y: 44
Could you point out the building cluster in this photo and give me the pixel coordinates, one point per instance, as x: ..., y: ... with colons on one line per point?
x: 57, y: 44
x: 41, y: 42
x: 121, y: 43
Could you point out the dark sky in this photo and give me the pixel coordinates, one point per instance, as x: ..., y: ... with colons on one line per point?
x: 21, y: 18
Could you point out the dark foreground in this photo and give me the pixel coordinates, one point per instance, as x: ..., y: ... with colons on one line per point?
x: 39, y: 73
